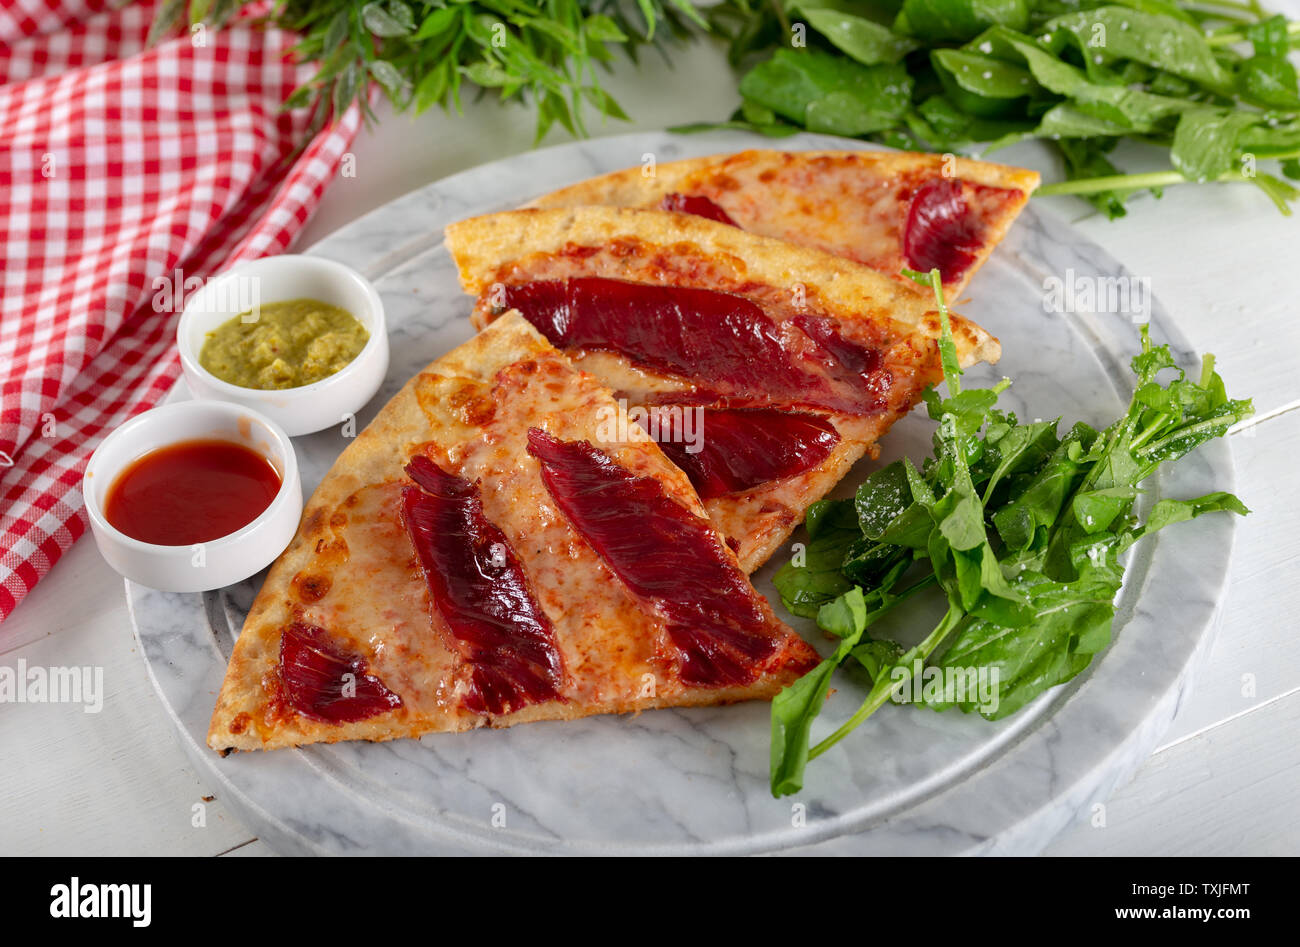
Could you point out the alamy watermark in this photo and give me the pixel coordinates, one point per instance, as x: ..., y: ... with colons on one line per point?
x: 53, y: 685
x: 1118, y: 295
x: 76, y: 899
x: 920, y: 683
x: 663, y: 424
x: 242, y: 294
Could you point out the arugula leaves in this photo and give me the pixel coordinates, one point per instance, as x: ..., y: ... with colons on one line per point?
x: 858, y: 37
x: 1019, y: 527
x: 1081, y: 75
x: 825, y: 93
x: 959, y: 20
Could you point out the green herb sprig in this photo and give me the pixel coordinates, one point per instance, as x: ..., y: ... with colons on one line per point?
x: 1207, y: 82
x: 1019, y: 528
x: 547, y: 52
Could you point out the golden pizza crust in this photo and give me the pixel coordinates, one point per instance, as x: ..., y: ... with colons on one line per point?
x: 848, y: 203
x: 352, y: 570
x: 641, y: 245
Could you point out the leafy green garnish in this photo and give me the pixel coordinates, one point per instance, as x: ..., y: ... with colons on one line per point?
x: 1209, y: 83
x: 548, y: 52
x: 1020, y: 528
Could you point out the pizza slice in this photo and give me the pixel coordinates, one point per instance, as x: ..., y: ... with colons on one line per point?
x: 883, y: 209
x: 763, y: 369
x: 490, y: 551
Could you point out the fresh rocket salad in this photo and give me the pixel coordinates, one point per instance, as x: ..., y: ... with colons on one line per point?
x: 1207, y: 84
x: 1018, y: 526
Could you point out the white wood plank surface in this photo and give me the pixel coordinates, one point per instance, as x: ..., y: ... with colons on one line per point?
x: 1220, y: 258
x: 253, y: 848
x: 112, y: 782
x: 1256, y: 657
x: 1227, y: 791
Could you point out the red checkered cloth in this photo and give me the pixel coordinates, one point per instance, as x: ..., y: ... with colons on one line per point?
x: 124, y: 173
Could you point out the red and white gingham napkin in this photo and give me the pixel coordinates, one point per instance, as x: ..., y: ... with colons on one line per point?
x: 121, y: 167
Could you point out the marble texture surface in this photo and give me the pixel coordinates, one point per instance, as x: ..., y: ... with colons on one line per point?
x: 695, y: 781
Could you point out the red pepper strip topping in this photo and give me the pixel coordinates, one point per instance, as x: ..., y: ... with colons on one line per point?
x: 665, y: 555
x: 326, y: 683
x: 848, y: 361
x: 481, y: 591
x: 697, y: 206
x: 721, y: 340
x: 942, y: 229
x: 729, y: 451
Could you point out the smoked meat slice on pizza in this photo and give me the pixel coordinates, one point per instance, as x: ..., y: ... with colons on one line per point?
x: 765, y: 370
x: 883, y: 209
x: 487, y: 553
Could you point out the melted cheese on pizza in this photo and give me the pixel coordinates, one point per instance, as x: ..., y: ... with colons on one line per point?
x: 756, y: 520
x: 871, y: 207
x: 353, y: 594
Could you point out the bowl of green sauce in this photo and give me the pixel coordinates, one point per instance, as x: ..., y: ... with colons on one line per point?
x: 300, y: 338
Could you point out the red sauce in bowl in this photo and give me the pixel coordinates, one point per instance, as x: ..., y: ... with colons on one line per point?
x: 191, y: 492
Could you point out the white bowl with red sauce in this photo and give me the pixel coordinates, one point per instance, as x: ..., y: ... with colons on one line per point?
x: 177, y: 500
x: 306, y: 408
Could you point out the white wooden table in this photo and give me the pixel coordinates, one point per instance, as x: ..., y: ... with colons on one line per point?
x: 1225, y: 780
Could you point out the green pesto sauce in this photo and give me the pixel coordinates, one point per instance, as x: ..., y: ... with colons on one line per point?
x: 291, y: 344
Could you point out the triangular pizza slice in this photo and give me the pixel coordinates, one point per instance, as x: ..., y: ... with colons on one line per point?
x: 883, y: 209
x: 763, y: 369
x: 493, y: 550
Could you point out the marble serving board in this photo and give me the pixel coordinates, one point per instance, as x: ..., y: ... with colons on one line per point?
x: 695, y: 781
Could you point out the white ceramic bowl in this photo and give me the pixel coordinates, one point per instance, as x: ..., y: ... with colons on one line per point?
x: 311, y: 407
x: 220, y: 562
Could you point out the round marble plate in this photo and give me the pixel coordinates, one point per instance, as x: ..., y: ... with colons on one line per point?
x: 695, y: 781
